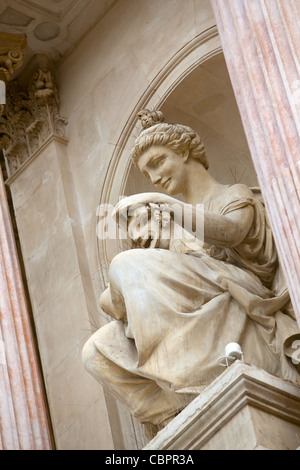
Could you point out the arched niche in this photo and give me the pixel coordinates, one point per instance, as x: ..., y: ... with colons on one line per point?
x: 204, y: 100
x: 193, y: 89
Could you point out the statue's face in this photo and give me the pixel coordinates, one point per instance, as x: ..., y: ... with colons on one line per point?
x: 165, y: 168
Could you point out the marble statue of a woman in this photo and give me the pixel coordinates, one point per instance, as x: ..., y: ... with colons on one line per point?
x: 176, y: 305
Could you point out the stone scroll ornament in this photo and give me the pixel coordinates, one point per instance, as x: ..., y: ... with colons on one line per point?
x: 12, y: 51
x: 177, y: 301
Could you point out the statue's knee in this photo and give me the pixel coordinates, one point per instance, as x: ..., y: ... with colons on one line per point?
x: 94, y: 362
x: 88, y: 354
x: 126, y: 263
x: 118, y: 263
x: 105, y: 301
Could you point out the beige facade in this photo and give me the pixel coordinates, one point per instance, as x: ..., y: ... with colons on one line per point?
x: 108, y: 59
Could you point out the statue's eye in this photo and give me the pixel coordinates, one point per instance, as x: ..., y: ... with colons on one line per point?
x: 159, y: 161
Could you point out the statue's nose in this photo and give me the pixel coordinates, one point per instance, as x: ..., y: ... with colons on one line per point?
x: 156, y: 179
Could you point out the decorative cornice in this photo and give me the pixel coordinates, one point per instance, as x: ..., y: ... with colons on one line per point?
x: 31, y: 116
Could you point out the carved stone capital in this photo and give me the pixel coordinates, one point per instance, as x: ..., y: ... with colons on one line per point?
x: 31, y: 114
x: 11, y: 54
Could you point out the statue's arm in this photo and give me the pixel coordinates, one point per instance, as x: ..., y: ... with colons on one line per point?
x: 223, y: 230
x: 220, y: 230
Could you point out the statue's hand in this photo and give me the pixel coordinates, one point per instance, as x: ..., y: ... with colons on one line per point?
x: 141, y: 199
x: 147, y: 223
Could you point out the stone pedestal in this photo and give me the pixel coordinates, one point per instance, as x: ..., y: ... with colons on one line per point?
x: 245, y: 408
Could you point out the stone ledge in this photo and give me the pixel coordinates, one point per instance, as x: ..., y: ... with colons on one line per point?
x: 245, y: 408
x: 52, y: 137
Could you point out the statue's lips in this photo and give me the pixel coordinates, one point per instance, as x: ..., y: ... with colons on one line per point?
x: 166, y: 183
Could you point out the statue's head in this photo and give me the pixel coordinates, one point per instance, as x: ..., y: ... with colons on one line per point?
x: 179, y: 138
x: 165, y: 153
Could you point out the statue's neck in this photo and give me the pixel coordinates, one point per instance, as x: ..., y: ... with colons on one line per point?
x: 202, y: 186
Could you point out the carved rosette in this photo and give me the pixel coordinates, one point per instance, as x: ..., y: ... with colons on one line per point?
x: 30, y: 118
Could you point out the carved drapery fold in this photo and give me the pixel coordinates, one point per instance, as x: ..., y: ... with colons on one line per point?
x: 31, y: 116
x: 261, y: 47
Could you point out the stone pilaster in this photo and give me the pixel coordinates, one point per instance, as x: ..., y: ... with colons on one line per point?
x: 24, y: 423
x: 261, y: 46
x: 23, y: 416
x: 54, y: 255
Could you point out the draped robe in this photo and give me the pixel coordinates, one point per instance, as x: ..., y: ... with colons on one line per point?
x: 175, y: 310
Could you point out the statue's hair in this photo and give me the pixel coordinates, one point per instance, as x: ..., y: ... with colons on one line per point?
x: 174, y: 136
x: 153, y: 117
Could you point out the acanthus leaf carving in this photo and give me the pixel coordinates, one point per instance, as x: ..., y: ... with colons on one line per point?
x: 30, y: 117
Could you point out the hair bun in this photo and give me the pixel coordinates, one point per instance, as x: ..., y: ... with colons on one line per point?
x: 150, y: 118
